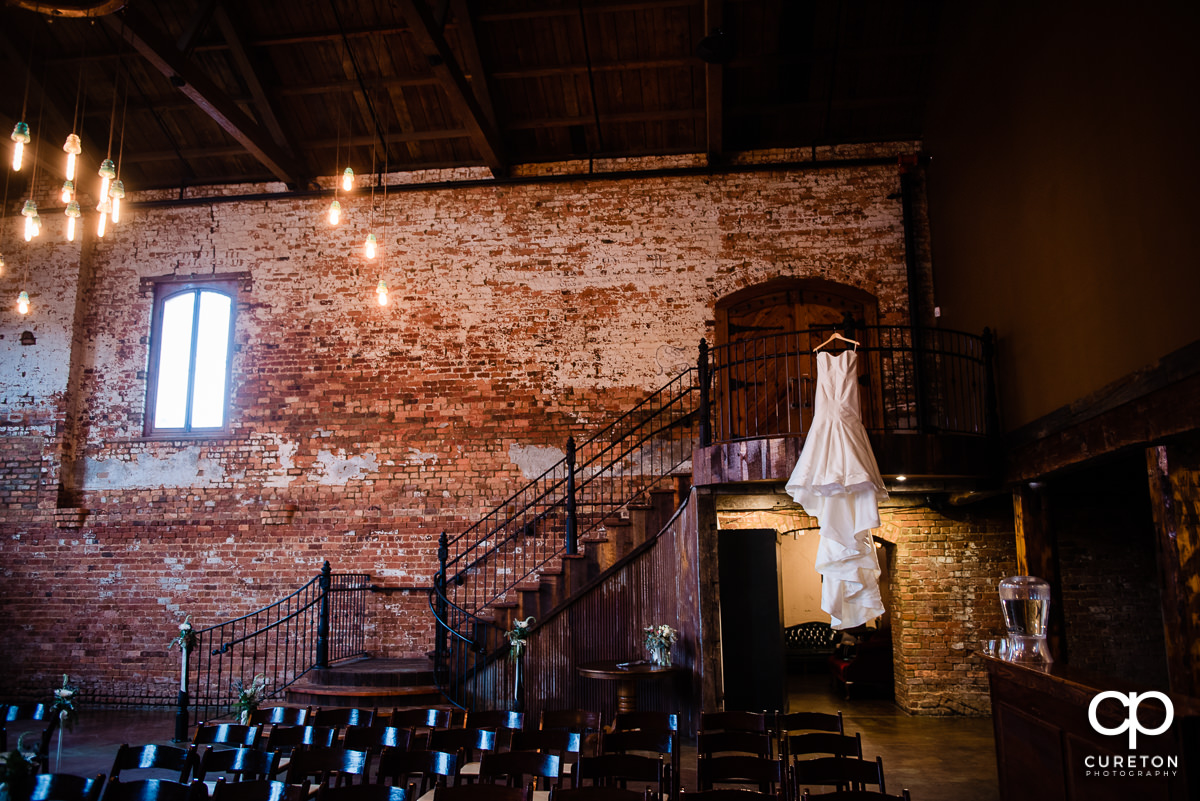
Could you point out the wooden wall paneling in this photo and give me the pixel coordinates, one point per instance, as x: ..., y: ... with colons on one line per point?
x: 1174, y: 473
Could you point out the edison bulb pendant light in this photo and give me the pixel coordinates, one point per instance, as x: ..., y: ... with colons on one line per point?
x: 117, y: 193
x: 20, y: 135
x: 381, y: 292
x: 73, y: 148
x: 68, y: 191
x: 335, y: 213
x: 107, y: 171
x: 369, y: 248
x: 348, y: 179
x: 105, y: 208
x: 72, y: 213
x: 23, y: 302
x: 29, y: 212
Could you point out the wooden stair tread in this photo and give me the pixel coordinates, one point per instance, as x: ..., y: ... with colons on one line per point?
x: 361, y: 691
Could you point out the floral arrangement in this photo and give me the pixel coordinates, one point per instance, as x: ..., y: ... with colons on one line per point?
x: 659, y: 640
x: 249, y: 695
x: 517, y: 636
x: 186, y: 641
x: 65, y: 704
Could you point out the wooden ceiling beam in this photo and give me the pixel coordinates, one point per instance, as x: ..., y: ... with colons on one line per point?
x: 714, y: 86
x: 361, y: 140
x: 153, y: 46
x: 463, y: 102
x: 246, y: 67
x: 474, y: 62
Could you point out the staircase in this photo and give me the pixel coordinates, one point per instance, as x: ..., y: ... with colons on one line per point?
x: 368, y: 683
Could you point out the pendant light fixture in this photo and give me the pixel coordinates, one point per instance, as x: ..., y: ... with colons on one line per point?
x: 73, y: 147
x: 73, y: 214
x: 381, y: 292
x: 347, y: 179
x: 335, y: 208
x: 68, y: 191
x: 371, y: 247
x: 335, y: 213
x: 29, y: 212
x: 20, y: 134
x: 117, y: 193
x: 23, y: 302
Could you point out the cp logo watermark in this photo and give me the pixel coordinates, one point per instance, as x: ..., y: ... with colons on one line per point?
x: 1132, y: 724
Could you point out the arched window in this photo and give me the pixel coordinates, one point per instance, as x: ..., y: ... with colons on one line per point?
x: 190, y: 357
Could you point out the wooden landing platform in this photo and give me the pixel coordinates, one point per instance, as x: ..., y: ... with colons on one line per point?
x: 369, y: 682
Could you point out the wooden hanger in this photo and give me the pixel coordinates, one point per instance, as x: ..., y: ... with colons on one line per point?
x: 832, y: 337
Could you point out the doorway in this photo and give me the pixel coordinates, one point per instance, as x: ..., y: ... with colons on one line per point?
x: 764, y: 377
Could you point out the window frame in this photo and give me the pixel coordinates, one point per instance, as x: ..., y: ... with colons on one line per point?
x: 165, y: 290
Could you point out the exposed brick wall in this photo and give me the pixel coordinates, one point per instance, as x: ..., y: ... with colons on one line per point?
x: 520, y: 314
x: 1112, y: 607
x: 945, y: 568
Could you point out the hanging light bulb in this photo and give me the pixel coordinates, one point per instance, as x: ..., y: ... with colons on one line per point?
x: 23, y: 302
x: 117, y: 193
x: 20, y: 135
x: 29, y: 212
x: 73, y: 147
x: 72, y: 213
x: 37, y: 225
x: 369, y: 248
x: 68, y: 190
x: 108, y: 171
x: 105, y: 208
x: 381, y: 292
x: 348, y: 180
x: 335, y: 213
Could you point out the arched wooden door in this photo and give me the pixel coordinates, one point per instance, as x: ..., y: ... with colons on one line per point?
x: 765, y: 373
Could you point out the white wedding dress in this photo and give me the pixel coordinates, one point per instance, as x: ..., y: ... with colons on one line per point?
x: 837, y: 481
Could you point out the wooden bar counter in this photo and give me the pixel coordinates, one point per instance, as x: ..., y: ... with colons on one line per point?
x: 1048, y: 748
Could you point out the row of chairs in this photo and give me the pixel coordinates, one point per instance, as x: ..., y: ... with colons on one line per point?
x: 33, y: 725
x: 785, y: 754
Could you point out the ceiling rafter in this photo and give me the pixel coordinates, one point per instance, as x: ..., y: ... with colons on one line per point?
x: 162, y: 55
x: 246, y: 68
x: 714, y: 86
x: 463, y: 103
x: 473, y: 68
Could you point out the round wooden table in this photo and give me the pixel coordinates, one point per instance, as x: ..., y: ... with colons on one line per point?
x: 627, y: 675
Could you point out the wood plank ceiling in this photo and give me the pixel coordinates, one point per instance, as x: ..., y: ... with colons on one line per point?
x: 197, y: 92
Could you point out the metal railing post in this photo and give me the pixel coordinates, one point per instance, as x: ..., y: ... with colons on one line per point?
x: 705, y: 409
x: 440, y: 643
x: 181, y: 716
x: 572, y: 519
x: 323, y: 617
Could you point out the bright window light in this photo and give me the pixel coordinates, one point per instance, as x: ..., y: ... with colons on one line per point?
x: 192, y: 365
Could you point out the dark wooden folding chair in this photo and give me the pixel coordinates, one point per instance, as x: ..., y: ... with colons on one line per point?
x: 376, y: 737
x: 731, y: 794
x: 280, y: 715
x: 287, y: 738
x: 39, y: 721
x: 760, y: 722
x: 423, y: 770
x: 421, y: 719
x: 66, y: 787
x: 469, y: 744
x: 750, y: 743
x: 599, y: 793
x: 483, y: 792
x: 583, y: 722
x: 518, y: 768
x: 259, y: 790
x: 786, y: 725
x: 342, y: 716
x: 232, y: 735
x: 768, y: 775
x: 857, y: 795
x: 840, y: 773
x: 647, y: 742
x: 364, y: 792
x: 501, y: 721
x: 238, y: 764
x: 321, y: 765
x: 178, y: 762
x: 625, y: 771
x: 823, y: 743
x: 154, y: 790
x: 562, y: 743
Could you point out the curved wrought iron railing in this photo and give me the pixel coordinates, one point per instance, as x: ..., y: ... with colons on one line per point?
x: 320, y: 623
x: 912, y: 379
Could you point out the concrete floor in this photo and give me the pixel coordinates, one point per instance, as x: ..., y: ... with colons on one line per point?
x: 936, y: 758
